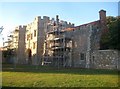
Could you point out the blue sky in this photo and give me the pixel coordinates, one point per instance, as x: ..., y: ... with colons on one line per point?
x: 13, y: 14
x: 78, y: 13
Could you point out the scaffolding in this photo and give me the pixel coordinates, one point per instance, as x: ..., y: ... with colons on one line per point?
x: 56, y: 50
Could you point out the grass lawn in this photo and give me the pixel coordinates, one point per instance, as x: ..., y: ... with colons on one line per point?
x: 29, y: 76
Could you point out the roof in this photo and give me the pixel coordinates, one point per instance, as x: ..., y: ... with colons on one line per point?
x: 91, y: 23
x: 69, y: 29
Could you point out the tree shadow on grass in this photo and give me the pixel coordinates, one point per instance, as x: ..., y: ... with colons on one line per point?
x: 54, y: 70
x: 4, y: 87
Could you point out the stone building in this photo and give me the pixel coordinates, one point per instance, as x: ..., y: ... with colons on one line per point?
x: 18, y: 44
x: 55, y: 42
x: 57, y: 48
x: 84, y: 40
x: 36, y: 35
x: 34, y: 40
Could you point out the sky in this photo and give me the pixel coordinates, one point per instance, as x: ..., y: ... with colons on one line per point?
x: 13, y: 14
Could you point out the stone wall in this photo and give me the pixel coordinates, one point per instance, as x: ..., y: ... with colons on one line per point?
x: 21, y: 45
x: 105, y: 59
x: 80, y: 46
x: 36, y: 43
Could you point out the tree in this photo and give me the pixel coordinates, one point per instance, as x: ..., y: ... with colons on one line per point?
x: 7, y: 54
x: 114, y: 31
x: 110, y: 40
x: 1, y: 29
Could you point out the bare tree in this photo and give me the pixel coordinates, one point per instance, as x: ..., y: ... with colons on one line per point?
x: 1, y: 29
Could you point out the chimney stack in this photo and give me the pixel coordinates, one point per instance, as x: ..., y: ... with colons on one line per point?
x: 102, y: 14
x: 103, y: 22
x: 57, y: 19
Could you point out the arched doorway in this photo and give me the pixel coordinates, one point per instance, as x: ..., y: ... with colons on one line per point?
x: 29, y: 56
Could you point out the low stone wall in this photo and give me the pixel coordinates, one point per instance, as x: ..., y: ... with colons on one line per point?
x: 105, y: 59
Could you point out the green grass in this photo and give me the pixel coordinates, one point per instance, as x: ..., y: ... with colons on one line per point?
x: 29, y: 76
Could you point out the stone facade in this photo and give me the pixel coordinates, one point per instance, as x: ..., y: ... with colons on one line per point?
x: 58, y: 47
x: 60, y: 43
x: 85, y: 40
x: 36, y: 34
x: 17, y: 43
x: 105, y: 59
x: 21, y: 45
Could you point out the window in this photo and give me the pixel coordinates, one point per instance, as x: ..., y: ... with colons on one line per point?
x: 34, y: 33
x: 28, y: 37
x: 31, y: 36
x: 16, y: 38
x: 93, y: 58
x: 33, y: 45
x: 82, y: 56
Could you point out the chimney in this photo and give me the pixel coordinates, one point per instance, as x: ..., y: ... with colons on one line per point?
x: 102, y: 14
x: 57, y: 19
x: 103, y: 22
